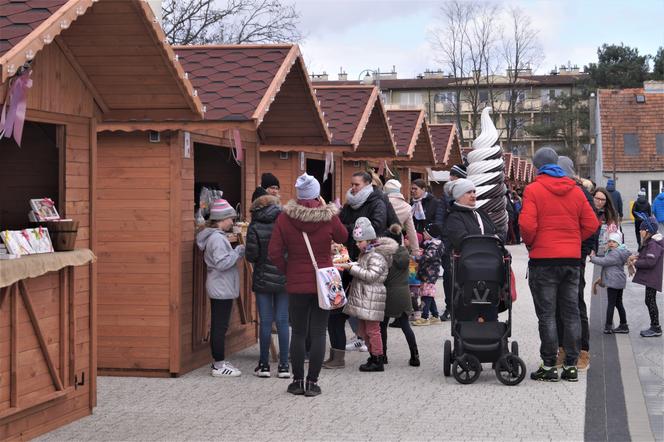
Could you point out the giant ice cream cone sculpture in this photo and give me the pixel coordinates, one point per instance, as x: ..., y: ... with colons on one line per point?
x: 486, y: 171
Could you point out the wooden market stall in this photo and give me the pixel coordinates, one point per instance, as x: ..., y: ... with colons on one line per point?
x: 445, y: 139
x: 85, y: 59
x: 415, y: 150
x: 252, y: 94
x: 358, y: 122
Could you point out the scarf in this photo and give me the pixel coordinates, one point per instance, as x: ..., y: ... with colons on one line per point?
x: 356, y: 201
x: 551, y: 169
x: 418, y: 210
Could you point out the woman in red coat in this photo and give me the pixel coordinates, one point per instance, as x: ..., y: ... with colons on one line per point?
x: 288, y: 251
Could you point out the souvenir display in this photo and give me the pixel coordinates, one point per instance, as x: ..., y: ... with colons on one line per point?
x: 16, y: 242
x: 39, y: 239
x: 43, y: 209
x: 486, y: 171
x: 339, y: 255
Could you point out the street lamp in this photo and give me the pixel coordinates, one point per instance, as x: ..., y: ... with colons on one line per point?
x: 371, y: 72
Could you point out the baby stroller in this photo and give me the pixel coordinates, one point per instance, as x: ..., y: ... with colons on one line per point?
x: 481, y: 281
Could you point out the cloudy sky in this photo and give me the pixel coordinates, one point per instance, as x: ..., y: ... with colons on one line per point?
x: 369, y: 34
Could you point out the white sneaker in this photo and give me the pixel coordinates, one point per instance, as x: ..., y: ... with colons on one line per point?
x: 225, y: 371
x: 356, y: 344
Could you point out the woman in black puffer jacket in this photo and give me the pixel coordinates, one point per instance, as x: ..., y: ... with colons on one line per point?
x: 269, y: 284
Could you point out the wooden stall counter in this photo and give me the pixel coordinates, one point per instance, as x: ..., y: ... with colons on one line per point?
x: 39, y: 365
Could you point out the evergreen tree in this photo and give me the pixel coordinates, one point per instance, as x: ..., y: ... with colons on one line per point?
x: 618, y: 67
x: 658, y: 68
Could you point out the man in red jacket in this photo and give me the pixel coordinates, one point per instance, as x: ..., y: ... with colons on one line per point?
x: 554, y: 220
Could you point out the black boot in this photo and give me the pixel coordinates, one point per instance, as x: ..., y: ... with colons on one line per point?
x: 375, y: 363
x: 414, y: 358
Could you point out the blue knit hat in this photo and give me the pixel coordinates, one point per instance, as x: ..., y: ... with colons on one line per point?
x: 648, y: 223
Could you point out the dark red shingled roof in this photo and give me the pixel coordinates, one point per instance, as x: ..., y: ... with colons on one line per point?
x: 231, y: 81
x: 343, y: 107
x: 440, y: 137
x: 404, y: 125
x: 18, y: 18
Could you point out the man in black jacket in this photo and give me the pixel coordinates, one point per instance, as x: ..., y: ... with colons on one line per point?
x: 586, y: 247
x: 362, y: 199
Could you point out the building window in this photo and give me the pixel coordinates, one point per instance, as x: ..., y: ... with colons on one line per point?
x: 631, y: 144
x: 410, y: 99
x: 484, y: 96
x: 445, y: 97
x: 659, y: 141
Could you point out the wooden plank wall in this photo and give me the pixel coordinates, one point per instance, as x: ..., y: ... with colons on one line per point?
x: 58, y: 97
x: 134, y: 229
x: 239, y: 336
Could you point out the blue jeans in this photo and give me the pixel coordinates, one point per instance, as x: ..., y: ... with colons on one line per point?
x: 273, y: 307
x: 429, y: 305
x: 556, y: 287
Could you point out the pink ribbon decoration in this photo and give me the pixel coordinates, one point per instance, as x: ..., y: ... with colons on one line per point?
x: 239, y: 153
x: 13, y: 119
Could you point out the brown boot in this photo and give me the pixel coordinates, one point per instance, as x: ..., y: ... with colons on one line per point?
x: 560, y: 360
x: 584, y: 361
x: 337, y: 359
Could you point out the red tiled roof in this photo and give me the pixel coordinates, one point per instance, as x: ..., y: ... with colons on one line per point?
x: 515, y: 167
x: 20, y: 17
x: 405, y: 129
x: 619, y: 111
x: 232, y: 80
x: 344, y: 108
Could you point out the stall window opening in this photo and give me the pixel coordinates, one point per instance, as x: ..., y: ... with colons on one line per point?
x: 33, y: 170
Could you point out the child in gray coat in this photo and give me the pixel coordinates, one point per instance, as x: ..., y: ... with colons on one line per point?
x: 614, y: 279
x: 223, y: 280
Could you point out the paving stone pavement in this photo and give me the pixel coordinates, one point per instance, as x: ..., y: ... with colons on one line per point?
x: 403, y: 403
x: 648, y: 353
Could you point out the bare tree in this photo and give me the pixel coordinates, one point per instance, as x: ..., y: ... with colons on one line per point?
x: 231, y: 21
x: 466, y: 44
x: 521, y: 52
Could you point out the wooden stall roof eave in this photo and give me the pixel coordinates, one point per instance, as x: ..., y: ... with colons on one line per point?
x: 69, y: 13
x: 33, y: 42
x: 174, y: 125
x: 294, y: 56
x: 324, y: 148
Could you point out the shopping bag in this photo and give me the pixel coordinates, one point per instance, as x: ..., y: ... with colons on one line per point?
x: 331, y: 294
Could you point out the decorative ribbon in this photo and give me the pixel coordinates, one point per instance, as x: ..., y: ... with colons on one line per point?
x: 239, y: 152
x: 329, y: 165
x: 13, y: 119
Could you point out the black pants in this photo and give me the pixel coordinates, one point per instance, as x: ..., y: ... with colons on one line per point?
x: 221, y: 315
x: 336, y: 329
x: 614, y: 301
x: 307, y: 320
x: 405, y: 328
x: 651, y: 303
x: 583, y: 313
x: 637, y: 228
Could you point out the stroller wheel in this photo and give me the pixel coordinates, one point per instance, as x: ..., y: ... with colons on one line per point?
x: 466, y: 369
x: 447, y: 357
x: 515, y: 348
x: 510, y: 369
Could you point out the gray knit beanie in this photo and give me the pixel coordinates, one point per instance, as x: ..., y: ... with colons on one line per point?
x: 363, y: 230
x: 461, y: 186
x: 567, y: 165
x: 307, y: 187
x: 545, y: 155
